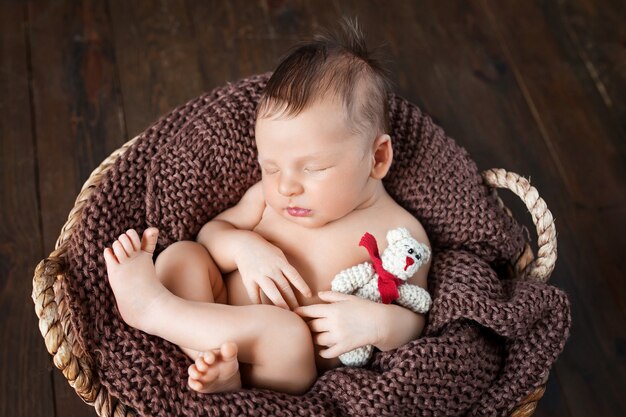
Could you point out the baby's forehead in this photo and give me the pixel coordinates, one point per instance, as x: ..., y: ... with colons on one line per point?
x: 301, y: 157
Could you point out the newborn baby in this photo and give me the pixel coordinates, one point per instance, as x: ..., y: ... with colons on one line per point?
x: 249, y: 301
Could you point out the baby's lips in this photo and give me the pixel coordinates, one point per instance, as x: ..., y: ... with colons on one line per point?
x: 298, y: 211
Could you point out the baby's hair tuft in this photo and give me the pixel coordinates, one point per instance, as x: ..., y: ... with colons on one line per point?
x: 337, y: 62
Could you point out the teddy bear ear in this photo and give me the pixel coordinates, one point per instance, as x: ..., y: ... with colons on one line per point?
x: 395, y: 235
x: 426, y: 251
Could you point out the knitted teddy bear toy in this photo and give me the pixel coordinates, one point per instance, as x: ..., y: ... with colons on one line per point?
x: 384, y: 279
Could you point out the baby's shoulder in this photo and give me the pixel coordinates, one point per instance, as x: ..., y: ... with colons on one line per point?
x: 396, y: 216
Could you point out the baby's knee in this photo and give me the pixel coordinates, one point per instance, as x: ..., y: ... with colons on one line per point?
x: 186, y: 258
x: 294, y: 341
x: 300, y: 342
x: 183, y: 247
x: 185, y: 252
x: 298, y: 337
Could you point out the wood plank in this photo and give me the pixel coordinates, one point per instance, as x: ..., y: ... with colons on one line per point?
x: 233, y: 40
x: 595, y: 34
x: 593, y: 173
x: 240, y: 38
x: 78, y: 118
x: 157, y: 59
x: 25, y: 374
x: 589, y: 36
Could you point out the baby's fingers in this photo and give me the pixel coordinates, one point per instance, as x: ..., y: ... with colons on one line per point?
x: 270, y: 289
x: 253, y: 292
x: 294, y: 277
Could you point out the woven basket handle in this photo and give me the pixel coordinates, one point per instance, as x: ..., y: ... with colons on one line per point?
x: 540, y: 268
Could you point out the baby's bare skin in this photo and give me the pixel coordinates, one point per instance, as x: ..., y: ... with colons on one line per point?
x: 327, y: 250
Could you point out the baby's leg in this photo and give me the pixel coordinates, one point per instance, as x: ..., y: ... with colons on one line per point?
x: 188, y: 271
x: 277, y: 343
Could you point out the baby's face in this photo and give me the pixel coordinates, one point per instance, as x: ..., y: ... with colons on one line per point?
x: 313, y: 162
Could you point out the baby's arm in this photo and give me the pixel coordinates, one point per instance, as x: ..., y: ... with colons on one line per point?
x: 233, y: 245
x: 228, y: 233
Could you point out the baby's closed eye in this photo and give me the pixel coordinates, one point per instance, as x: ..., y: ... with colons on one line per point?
x: 270, y: 172
x: 316, y: 169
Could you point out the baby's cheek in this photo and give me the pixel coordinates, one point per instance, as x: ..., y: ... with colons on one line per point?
x: 338, y: 198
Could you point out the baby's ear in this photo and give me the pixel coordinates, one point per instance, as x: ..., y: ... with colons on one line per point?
x: 383, y: 156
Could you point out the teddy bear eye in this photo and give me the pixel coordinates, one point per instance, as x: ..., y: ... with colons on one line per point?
x: 411, y: 251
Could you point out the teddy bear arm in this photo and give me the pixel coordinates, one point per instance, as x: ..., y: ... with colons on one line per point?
x: 370, y: 290
x: 414, y: 297
x: 351, y: 279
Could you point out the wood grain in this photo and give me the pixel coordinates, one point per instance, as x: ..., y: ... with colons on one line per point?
x: 156, y: 58
x: 26, y: 366
x: 590, y: 206
x: 78, y: 118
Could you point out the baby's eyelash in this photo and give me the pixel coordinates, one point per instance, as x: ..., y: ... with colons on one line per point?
x: 316, y: 170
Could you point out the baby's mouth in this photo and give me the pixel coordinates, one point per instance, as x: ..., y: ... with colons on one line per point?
x: 298, y: 211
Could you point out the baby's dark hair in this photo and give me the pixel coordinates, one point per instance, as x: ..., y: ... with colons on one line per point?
x: 336, y: 62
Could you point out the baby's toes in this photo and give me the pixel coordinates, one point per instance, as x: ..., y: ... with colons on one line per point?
x: 110, y: 258
x: 204, y: 360
x: 127, y: 245
x: 119, y: 251
x: 193, y: 372
x: 229, y: 351
x: 134, y: 238
x: 149, y: 239
x: 206, y: 376
x: 196, y: 385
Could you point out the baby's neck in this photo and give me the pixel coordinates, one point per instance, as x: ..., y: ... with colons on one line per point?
x: 376, y: 194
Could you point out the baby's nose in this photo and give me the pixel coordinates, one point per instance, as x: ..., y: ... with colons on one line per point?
x: 289, y: 187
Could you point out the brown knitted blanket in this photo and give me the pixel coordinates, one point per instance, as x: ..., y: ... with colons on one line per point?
x: 489, y: 340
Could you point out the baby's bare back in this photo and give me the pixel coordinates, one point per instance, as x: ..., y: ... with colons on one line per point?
x: 320, y: 253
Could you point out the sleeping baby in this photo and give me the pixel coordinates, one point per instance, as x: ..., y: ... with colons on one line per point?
x: 249, y: 301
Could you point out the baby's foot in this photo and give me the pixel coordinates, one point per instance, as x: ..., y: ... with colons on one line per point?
x: 216, y: 370
x: 133, y: 277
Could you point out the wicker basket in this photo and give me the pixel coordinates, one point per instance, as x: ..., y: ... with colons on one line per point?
x: 77, y: 366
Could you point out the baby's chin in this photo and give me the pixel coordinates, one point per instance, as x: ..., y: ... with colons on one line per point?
x: 306, y: 222
x: 314, y: 221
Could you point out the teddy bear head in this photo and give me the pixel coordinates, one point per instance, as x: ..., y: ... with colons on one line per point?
x: 404, y: 255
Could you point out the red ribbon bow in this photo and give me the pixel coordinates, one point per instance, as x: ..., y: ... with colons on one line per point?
x: 387, y: 282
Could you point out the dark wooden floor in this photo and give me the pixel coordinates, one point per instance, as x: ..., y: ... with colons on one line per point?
x: 536, y: 87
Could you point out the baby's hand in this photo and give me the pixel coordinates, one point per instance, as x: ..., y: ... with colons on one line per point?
x: 263, y: 265
x: 345, y: 323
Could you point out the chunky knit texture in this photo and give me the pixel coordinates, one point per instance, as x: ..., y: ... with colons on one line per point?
x: 488, y: 343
